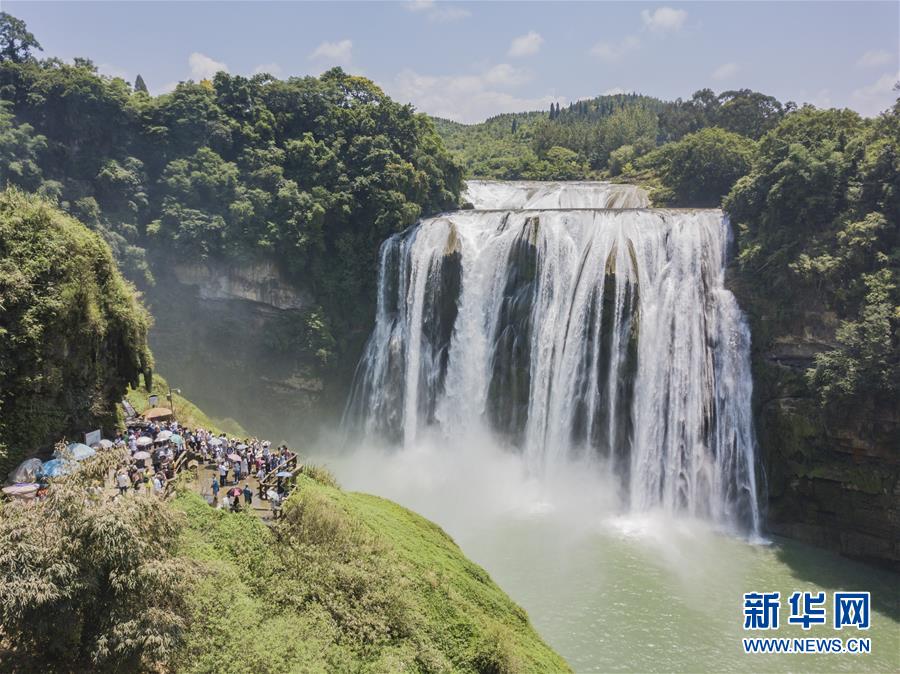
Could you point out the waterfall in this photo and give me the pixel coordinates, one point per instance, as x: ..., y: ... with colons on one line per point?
x: 571, y: 321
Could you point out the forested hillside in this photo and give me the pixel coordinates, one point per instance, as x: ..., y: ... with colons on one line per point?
x: 601, y: 136
x: 311, y: 172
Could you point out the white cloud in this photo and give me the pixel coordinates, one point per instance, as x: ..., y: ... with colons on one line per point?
x: 876, y: 97
x: 614, y: 51
x: 664, y: 19
x: 468, y: 97
x: 505, y: 75
x: 334, y: 52
x: 526, y: 45
x: 615, y: 91
x: 874, y: 57
x: 204, y: 67
x: 725, y: 71
x: 270, y: 68
x: 438, y: 13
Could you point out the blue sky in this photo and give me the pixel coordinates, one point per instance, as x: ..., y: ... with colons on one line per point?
x: 469, y: 60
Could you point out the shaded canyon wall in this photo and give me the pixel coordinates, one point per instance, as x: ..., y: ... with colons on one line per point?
x: 227, y: 336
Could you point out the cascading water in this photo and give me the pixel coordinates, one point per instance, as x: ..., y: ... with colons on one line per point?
x: 572, y: 322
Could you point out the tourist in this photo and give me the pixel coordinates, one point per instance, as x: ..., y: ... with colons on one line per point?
x: 248, y: 495
x: 122, y: 481
x: 215, y: 490
x: 223, y: 473
x: 260, y: 476
x: 275, y: 501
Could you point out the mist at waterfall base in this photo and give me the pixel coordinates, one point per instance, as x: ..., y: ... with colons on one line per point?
x: 559, y: 378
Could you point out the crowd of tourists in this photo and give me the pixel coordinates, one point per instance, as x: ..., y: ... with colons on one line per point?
x: 154, y: 451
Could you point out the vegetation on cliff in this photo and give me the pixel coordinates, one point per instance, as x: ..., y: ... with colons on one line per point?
x: 819, y: 226
x: 73, y: 334
x: 313, y: 172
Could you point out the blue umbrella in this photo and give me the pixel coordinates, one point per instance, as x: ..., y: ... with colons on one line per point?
x: 58, y: 467
x: 176, y: 439
x: 283, y: 473
x: 79, y: 451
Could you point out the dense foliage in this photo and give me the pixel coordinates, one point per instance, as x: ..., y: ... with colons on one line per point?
x: 819, y: 229
x: 88, y: 584
x: 606, y: 134
x: 314, y: 172
x: 699, y: 169
x: 72, y: 331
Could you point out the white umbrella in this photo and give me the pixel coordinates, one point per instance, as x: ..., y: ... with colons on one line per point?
x: 162, y: 436
x: 103, y: 444
x: 215, y: 442
x: 266, y: 443
x: 143, y: 441
x: 241, y: 446
x: 140, y: 456
x: 22, y: 490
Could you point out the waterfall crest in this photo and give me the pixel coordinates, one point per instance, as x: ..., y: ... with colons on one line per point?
x: 571, y: 321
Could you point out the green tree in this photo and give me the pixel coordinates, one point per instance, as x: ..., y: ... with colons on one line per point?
x: 139, y: 85
x: 867, y: 360
x: 747, y: 112
x: 16, y: 42
x: 20, y: 152
x: 701, y: 168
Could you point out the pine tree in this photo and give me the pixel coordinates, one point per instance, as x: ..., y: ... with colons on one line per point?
x: 139, y: 84
x: 515, y: 125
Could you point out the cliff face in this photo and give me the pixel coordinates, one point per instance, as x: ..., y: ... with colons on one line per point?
x: 833, y: 475
x: 229, y: 337
x: 257, y: 281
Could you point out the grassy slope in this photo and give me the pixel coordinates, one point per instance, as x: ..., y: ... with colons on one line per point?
x: 350, y: 582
